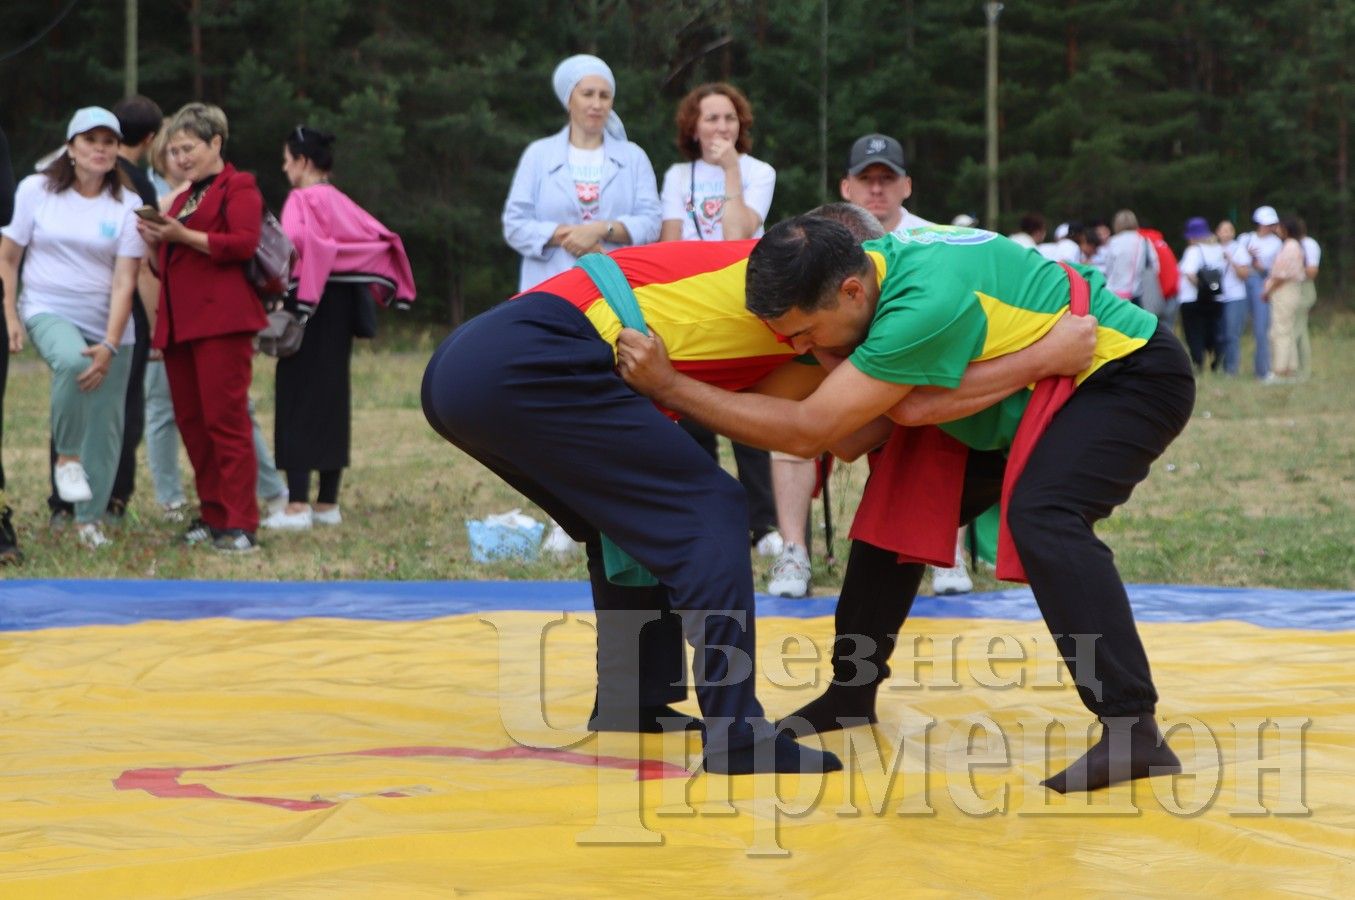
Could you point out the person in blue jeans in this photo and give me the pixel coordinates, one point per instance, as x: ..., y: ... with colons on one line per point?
x: 1264, y: 245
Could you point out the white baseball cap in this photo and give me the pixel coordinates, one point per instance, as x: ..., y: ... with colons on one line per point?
x: 90, y: 118
x: 1265, y: 215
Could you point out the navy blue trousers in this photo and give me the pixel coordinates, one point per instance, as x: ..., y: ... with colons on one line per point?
x: 530, y: 390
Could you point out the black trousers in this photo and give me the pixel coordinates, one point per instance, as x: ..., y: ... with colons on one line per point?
x: 1202, y: 321
x: 1097, y: 448
x: 530, y: 390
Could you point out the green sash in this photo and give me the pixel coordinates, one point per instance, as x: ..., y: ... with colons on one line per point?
x: 621, y: 567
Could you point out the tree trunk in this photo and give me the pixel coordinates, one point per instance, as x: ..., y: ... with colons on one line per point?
x: 1346, y: 245
x: 456, y: 300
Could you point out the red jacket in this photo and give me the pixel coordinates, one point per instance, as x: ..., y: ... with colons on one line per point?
x: 207, y: 294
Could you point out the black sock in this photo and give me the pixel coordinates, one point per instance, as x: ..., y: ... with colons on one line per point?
x: 779, y: 754
x: 1117, y: 756
x: 645, y: 719
x: 837, y: 707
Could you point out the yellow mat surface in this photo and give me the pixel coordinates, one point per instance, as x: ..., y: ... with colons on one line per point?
x: 342, y: 758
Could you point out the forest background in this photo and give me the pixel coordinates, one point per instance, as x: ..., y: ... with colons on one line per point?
x: 1172, y: 109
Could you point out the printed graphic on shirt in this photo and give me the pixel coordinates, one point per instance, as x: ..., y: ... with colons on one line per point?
x: 585, y: 167
x: 954, y: 235
x: 706, y: 203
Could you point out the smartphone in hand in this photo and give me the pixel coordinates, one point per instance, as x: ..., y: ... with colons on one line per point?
x: 150, y: 214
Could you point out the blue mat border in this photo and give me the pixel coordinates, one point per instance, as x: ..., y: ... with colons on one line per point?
x: 27, y: 604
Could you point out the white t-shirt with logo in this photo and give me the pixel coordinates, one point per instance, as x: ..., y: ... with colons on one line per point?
x: 72, y: 244
x: 907, y: 220
x: 585, y: 167
x: 694, y: 193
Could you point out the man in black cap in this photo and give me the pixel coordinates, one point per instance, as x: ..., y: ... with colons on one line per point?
x: 876, y: 179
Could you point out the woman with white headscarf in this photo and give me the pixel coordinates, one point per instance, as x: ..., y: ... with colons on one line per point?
x: 584, y: 188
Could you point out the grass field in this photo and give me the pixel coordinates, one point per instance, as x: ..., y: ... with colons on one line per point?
x: 1258, y: 491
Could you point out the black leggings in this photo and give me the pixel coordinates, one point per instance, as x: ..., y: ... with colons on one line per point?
x: 299, y: 486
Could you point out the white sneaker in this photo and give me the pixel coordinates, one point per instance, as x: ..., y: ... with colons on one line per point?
x: 92, y: 536
x: 275, y: 505
x: 176, y: 511
x: 282, y: 520
x: 790, y: 573
x: 72, y: 485
x: 559, y: 543
x: 955, y: 580
x: 770, y: 544
x: 327, y: 516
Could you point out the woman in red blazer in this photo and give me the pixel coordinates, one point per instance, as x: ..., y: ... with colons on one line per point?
x: 209, y: 314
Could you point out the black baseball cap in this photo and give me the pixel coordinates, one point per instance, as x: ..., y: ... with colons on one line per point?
x: 875, y: 148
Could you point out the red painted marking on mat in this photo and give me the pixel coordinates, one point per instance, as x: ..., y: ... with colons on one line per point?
x: 164, y: 782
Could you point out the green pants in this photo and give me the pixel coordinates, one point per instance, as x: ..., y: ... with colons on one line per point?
x: 87, y: 424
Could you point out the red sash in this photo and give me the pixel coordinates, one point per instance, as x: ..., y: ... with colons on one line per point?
x: 911, y: 503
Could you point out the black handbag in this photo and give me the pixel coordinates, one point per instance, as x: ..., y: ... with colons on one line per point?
x: 283, y: 334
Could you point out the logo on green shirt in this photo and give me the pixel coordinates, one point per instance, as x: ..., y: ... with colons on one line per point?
x: 946, y: 234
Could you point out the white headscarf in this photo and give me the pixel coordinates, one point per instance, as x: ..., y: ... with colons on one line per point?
x: 571, y: 71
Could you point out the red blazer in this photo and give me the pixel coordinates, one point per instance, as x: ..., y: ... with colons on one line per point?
x: 207, y: 294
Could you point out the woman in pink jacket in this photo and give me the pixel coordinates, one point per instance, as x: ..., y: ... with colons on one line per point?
x: 346, y: 260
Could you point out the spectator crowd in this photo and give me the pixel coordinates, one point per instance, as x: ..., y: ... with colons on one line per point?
x: 128, y: 263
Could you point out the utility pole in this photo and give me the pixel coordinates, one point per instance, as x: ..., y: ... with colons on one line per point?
x: 993, y: 10
x: 129, y: 66
x: 823, y: 101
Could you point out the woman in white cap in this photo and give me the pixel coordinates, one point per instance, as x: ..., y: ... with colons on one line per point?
x: 584, y: 188
x: 75, y: 225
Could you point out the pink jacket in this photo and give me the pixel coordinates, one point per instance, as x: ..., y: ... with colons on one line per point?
x: 335, y: 236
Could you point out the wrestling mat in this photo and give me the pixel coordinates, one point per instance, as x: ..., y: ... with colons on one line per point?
x: 184, y: 739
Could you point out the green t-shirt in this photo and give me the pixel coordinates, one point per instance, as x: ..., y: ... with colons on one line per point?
x: 951, y: 296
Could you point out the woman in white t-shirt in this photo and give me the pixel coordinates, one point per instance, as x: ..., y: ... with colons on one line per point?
x: 75, y: 225
x: 720, y: 193
x: 1200, y: 291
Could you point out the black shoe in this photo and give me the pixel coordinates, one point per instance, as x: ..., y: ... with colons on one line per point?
x: 235, y: 540
x: 9, y: 541
x: 199, y: 532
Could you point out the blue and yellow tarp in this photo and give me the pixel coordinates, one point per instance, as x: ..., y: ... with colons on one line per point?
x: 173, y: 739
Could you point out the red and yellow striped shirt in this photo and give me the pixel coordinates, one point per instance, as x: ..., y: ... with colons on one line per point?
x: 691, y: 293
